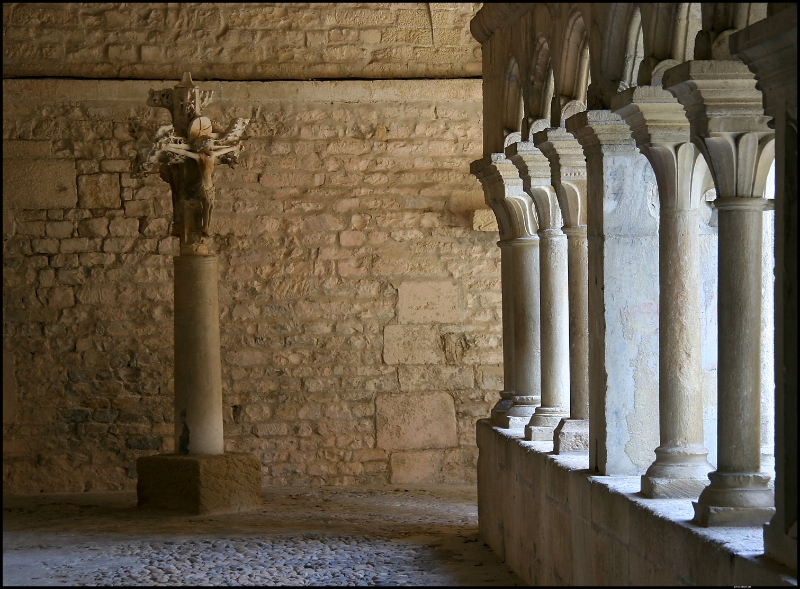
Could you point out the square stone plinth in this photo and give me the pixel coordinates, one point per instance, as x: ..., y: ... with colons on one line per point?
x: 199, y: 485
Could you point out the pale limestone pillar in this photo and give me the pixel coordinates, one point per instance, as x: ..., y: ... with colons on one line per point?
x: 198, y: 373
x: 534, y: 169
x: 661, y: 131
x: 520, y: 283
x: 623, y: 292
x: 555, y: 336
x: 568, y: 177
x: 507, y: 292
x: 769, y: 48
x: 527, y: 353
x: 727, y: 123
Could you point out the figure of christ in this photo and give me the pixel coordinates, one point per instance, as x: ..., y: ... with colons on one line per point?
x: 206, y: 156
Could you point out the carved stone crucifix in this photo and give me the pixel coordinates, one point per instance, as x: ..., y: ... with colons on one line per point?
x: 184, y: 153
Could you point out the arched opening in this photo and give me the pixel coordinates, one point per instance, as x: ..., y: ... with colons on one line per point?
x: 513, y: 105
x: 634, y: 50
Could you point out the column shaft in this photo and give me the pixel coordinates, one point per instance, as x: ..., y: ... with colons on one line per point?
x: 554, y: 336
x: 527, y: 353
x: 738, y: 493
x: 198, y: 373
x: 499, y: 416
x: 739, y: 372
x: 572, y: 435
x: 681, y: 467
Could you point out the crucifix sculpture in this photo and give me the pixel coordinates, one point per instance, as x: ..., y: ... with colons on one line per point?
x: 199, y: 477
x: 184, y: 153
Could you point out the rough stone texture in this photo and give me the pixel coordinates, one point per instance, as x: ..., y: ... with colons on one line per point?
x: 243, y: 41
x: 199, y: 485
x: 335, y: 206
x: 597, y: 530
x: 428, y: 302
x: 54, y: 187
x: 413, y: 421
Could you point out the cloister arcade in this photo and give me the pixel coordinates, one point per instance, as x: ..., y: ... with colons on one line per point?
x: 633, y: 157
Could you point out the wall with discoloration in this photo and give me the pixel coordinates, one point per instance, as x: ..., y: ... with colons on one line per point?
x: 360, y: 312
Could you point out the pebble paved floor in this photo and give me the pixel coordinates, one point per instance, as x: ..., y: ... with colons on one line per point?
x: 332, y: 536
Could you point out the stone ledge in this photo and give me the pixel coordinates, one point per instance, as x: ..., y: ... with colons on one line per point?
x: 599, y: 530
x: 199, y: 485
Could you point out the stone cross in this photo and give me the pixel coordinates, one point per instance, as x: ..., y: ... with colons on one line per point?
x: 184, y: 153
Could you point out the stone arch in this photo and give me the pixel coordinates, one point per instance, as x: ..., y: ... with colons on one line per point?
x: 513, y: 104
x: 540, y: 82
x: 573, y: 78
x: 609, y: 38
x: 687, y: 23
x: 634, y: 49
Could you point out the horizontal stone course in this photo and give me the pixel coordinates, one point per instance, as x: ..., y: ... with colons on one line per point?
x: 256, y: 41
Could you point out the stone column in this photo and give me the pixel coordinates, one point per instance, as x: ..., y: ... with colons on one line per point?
x: 198, y: 372
x: 200, y: 478
x: 527, y: 352
x: 555, y: 336
x: 520, y: 283
x: 769, y: 48
x: 568, y: 177
x: 507, y: 292
x: 623, y: 291
x: 661, y: 131
x: 554, y: 302
x: 727, y: 124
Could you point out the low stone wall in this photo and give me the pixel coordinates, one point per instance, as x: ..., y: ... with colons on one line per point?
x: 556, y: 524
x: 360, y: 312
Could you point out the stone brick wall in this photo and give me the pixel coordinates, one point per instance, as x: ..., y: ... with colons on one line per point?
x: 241, y: 41
x: 360, y: 313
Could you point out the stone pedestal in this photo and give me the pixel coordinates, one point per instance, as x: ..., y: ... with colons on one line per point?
x: 199, y: 485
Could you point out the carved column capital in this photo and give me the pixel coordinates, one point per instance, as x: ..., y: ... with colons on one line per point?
x: 504, y: 192
x: 534, y: 169
x: 661, y: 130
x: 727, y: 122
x: 567, y: 172
x: 601, y: 132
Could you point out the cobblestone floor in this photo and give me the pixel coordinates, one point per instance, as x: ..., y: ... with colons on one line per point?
x: 333, y: 536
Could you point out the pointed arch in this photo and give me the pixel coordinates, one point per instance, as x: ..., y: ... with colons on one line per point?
x: 513, y: 104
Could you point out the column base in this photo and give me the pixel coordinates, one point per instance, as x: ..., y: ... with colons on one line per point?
x: 519, y: 414
x: 571, y: 437
x: 499, y: 411
x: 199, y: 485
x: 735, y: 499
x: 731, y: 517
x: 677, y: 473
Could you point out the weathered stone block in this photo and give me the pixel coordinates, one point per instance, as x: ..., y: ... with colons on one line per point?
x: 426, y: 378
x: 54, y: 187
x: 425, y: 302
x: 412, y: 345
x: 99, y: 191
x: 417, y: 468
x: 199, y: 485
x: 415, y: 421
x: 96, y: 227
